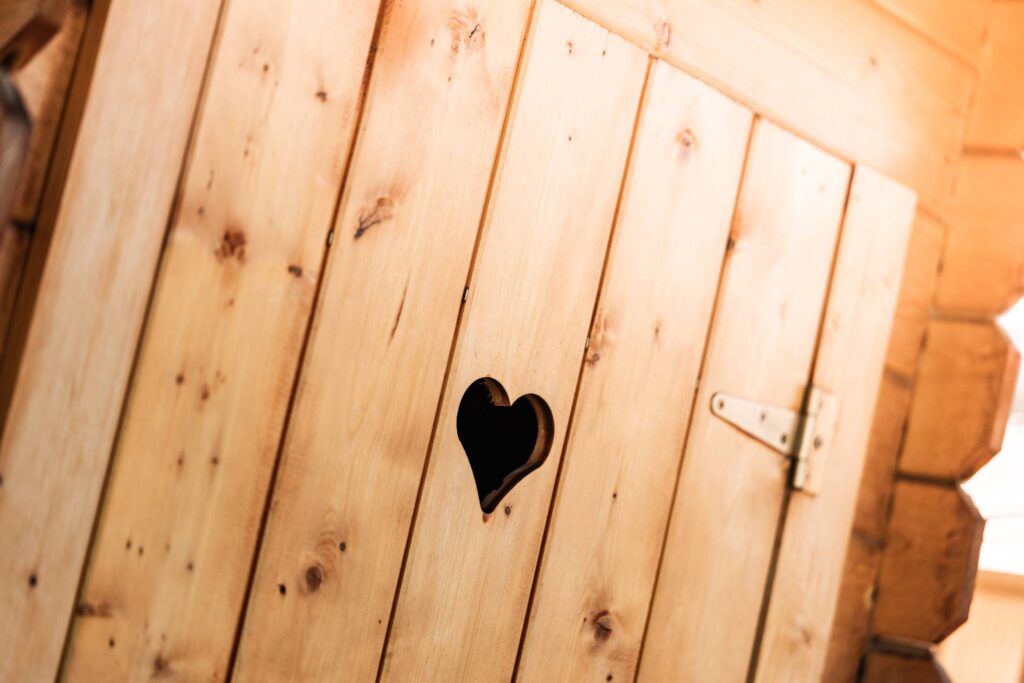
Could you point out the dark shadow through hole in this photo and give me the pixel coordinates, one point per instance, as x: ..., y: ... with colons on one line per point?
x: 503, y: 442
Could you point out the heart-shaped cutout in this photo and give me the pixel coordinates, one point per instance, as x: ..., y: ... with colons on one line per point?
x: 503, y: 442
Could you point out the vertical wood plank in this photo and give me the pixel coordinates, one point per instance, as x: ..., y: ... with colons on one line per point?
x: 464, y: 596
x: 730, y: 493
x: 70, y: 385
x: 366, y: 403
x: 849, y: 365
x: 635, y: 396
x: 203, y: 422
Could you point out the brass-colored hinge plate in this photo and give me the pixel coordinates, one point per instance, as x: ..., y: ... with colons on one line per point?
x: 803, y: 436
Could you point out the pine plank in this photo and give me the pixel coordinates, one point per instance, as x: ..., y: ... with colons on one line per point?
x: 850, y: 362
x: 959, y: 26
x: 731, y: 488
x: 44, y: 84
x: 68, y: 393
x: 850, y: 626
x: 962, y: 399
x: 936, y: 527
x: 367, y: 399
x: 837, y: 72
x: 464, y: 596
x: 638, y: 383
x: 994, y: 120
x: 177, y: 531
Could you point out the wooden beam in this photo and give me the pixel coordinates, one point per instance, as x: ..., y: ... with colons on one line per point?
x: 962, y: 399
x: 994, y: 120
x: 630, y: 424
x: 731, y: 490
x: 837, y: 72
x: 928, y: 567
x: 178, y: 529
x: 107, y: 234
x: 849, y: 364
x: 547, y: 230
x: 983, y: 264
x: 367, y: 398
x: 957, y: 26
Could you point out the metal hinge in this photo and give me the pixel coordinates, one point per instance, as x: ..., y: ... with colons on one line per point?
x: 803, y: 436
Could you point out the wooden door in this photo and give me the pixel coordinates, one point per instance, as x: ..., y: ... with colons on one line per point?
x: 425, y: 392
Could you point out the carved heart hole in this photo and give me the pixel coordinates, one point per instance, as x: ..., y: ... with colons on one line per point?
x: 503, y: 442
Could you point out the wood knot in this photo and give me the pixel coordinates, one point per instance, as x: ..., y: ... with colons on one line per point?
x: 381, y: 211
x: 314, y: 577
x: 464, y: 31
x: 602, y: 623
x: 232, y: 245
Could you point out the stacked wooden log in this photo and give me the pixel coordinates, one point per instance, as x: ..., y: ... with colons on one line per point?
x: 945, y: 400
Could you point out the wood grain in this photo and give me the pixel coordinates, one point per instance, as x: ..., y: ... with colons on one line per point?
x: 177, y: 531
x: 837, y: 72
x: 849, y: 364
x: 994, y: 120
x: 68, y: 394
x: 637, y: 388
x: 850, y: 626
x: 464, y: 596
x: 935, y: 527
x: 368, y: 396
x: 723, y: 524
x: 44, y: 84
x: 962, y: 399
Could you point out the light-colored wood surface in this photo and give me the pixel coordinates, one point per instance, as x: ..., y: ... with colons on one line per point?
x: 962, y: 399
x: 850, y: 626
x: 729, y: 497
x: 995, y: 120
x: 959, y: 26
x: 92, y: 296
x: 883, y: 667
x: 43, y: 84
x: 368, y: 395
x: 983, y: 264
x: 835, y: 71
x: 934, y: 528
x: 989, y: 648
x: 180, y: 520
x: 849, y: 365
x: 464, y: 596
x: 920, y: 273
x: 850, y: 633
x: 636, y: 393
